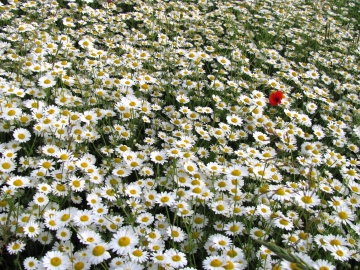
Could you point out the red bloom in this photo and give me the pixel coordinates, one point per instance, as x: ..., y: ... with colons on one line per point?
x: 275, y: 98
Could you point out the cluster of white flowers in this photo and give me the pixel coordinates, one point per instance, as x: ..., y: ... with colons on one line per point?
x: 139, y: 134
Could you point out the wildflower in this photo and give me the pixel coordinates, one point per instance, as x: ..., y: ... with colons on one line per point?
x: 190, y: 167
x: 21, y: 135
x: 312, y: 74
x: 9, y: 153
x: 236, y: 172
x: 86, y: 43
x: 50, y: 149
x: 87, y: 236
x: 18, y: 182
x: 343, y: 214
x: 158, y: 157
x: 40, y: 199
x: 139, y: 255
x: 100, y: 210
x: 59, y: 189
x: 6, y: 165
x: 340, y: 253
x: 234, y: 120
x: 222, y: 185
x: 261, y: 138
x: 349, y: 173
x: 235, y: 253
x: 322, y: 265
x: 84, y: 162
x: 158, y: 257
x: 121, y: 171
x: 63, y: 234
x: 51, y: 223
x: 153, y: 235
x: 83, y: 218
x: 145, y: 219
x: 234, y: 228
x: 45, y: 164
x: 284, y: 223
x: 257, y: 233
x: 183, y: 99
x: 156, y: 245
x: 15, y: 247
x: 307, y: 199
x: 46, y: 81
x: 76, y: 183
x: 333, y: 240
x: 108, y: 192
x: 220, y: 242
x: 124, y: 241
x: 78, y: 262
x: 175, y: 258
x: 31, y: 263
x: 146, y: 171
x: 129, y: 265
x: 275, y: 98
x: 220, y: 207
x: 263, y: 210
x: 176, y: 233
x: 214, y: 168
x: 93, y: 199
x: 56, y: 260
x: 98, y: 253
x: 133, y: 190
x: 214, y: 262
x: 311, y: 107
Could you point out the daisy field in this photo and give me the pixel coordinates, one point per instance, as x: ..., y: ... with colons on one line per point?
x: 159, y: 134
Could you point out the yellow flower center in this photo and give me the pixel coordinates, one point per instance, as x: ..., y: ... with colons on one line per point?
x: 340, y: 253
x: 284, y: 222
x: 335, y: 242
x: 65, y: 217
x: 56, y: 261
x: 176, y: 258
x: 220, y: 208
x: 307, y: 199
x: 165, y: 199
x: 234, y: 228
x: 236, y: 173
x: 6, y: 166
x: 216, y: 263
x: 137, y: 253
x: 18, y: 183
x: 98, y: 251
x: 79, y: 266
x: 124, y: 241
x: 292, y: 239
x: 84, y: 218
x: 343, y: 215
x: 175, y: 233
x: 46, y: 164
x: 280, y: 192
x: 222, y: 243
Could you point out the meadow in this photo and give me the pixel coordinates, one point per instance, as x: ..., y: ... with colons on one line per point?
x: 195, y: 134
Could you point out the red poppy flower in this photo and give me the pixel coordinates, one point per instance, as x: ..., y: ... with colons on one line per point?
x: 275, y: 98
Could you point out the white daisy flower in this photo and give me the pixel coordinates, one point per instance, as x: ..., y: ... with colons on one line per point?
x: 56, y: 260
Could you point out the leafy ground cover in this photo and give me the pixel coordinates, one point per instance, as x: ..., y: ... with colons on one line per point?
x: 202, y: 134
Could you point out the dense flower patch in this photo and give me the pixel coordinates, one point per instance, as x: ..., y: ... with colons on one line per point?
x: 156, y: 134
